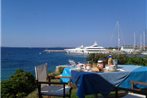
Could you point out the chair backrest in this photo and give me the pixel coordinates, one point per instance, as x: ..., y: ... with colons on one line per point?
x: 41, y: 72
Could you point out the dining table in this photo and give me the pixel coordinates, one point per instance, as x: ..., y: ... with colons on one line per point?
x: 89, y: 82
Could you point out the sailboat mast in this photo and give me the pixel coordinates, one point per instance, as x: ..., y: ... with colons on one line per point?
x: 118, y: 44
x: 134, y: 41
x: 140, y: 42
x: 143, y: 40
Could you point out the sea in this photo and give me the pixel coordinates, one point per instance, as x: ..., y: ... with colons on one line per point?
x: 27, y: 58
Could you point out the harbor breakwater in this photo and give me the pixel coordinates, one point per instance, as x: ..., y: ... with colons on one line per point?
x: 49, y: 51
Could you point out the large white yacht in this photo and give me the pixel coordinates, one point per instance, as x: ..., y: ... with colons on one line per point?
x: 95, y: 49
x: 88, y: 49
x: 78, y: 50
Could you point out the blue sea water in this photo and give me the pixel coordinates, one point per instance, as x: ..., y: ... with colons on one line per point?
x: 28, y: 58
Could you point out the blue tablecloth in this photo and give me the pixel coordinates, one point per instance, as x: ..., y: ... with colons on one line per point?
x: 139, y: 74
x: 104, y: 82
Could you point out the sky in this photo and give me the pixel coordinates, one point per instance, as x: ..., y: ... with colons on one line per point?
x: 70, y: 23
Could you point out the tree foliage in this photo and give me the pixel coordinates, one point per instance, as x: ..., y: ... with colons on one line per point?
x: 122, y: 59
x: 137, y: 60
x: 19, y: 85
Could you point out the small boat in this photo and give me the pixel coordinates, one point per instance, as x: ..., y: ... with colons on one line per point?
x: 144, y: 53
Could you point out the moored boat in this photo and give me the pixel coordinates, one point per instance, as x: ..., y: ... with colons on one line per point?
x: 88, y: 49
x: 144, y: 53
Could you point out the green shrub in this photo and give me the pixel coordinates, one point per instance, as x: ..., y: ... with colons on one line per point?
x: 122, y: 59
x: 93, y: 58
x: 137, y: 61
x: 19, y: 85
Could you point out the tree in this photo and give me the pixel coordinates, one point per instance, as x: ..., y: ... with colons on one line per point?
x: 19, y: 85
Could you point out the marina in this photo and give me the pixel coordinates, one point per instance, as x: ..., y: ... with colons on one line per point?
x: 74, y: 49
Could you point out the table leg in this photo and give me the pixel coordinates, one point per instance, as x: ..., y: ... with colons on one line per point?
x: 116, y: 93
x: 95, y: 95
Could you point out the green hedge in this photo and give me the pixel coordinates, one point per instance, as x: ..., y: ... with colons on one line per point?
x: 122, y: 59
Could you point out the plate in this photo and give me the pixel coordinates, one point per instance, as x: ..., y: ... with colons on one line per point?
x: 120, y: 70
